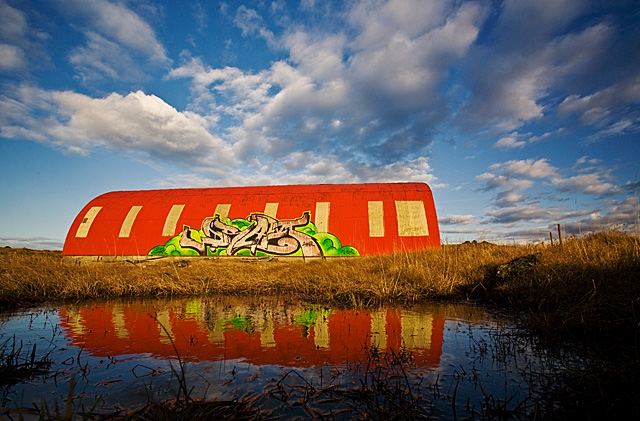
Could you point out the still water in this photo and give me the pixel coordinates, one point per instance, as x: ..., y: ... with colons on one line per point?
x: 453, y: 360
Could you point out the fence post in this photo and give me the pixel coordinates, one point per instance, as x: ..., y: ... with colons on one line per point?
x: 559, y: 235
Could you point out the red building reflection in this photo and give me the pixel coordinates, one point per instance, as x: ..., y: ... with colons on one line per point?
x: 268, y: 333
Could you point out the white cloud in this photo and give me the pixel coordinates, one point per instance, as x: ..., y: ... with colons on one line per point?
x: 381, y: 86
x: 33, y: 243
x: 619, y: 215
x: 503, y: 182
x: 309, y: 168
x: 13, y: 23
x: 456, y: 219
x: 11, y: 57
x: 529, y: 168
x: 252, y: 25
x: 618, y: 128
x: 509, y: 82
x: 403, y: 50
x: 117, y: 38
x: 121, y: 25
x: 320, y: 59
x: 597, y: 107
x: 518, y: 214
x: 101, y: 58
x: 585, y: 183
x: 509, y: 142
x: 136, y: 122
x: 21, y: 47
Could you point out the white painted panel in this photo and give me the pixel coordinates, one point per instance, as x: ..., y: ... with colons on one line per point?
x: 376, y: 219
x: 83, y: 228
x: 222, y: 209
x: 271, y: 209
x: 169, y: 229
x: 322, y: 216
x: 125, y: 229
x: 412, y: 219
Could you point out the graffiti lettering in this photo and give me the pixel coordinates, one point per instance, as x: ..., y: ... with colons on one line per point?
x: 265, y: 234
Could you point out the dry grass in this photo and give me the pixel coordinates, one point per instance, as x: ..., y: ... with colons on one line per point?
x: 589, y: 287
x: 28, y: 276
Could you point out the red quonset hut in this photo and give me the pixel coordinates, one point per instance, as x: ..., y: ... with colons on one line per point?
x: 347, y: 219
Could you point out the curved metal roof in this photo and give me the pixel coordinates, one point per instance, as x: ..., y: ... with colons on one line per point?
x: 369, y: 218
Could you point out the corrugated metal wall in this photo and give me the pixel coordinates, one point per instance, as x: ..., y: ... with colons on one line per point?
x: 372, y: 218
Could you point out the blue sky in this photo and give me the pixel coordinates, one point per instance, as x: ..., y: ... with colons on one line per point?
x: 519, y: 114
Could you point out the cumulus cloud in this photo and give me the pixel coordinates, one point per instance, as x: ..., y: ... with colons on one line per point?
x: 509, y: 183
x: 494, y: 181
x: 136, y: 122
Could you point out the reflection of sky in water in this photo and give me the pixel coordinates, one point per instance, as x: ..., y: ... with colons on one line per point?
x: 119, y: 354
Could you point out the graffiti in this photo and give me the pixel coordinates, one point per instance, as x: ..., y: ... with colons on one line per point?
x: 258, y: 235
x: 267, y: 234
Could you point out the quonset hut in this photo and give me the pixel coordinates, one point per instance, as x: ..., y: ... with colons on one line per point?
x: 297, y: 220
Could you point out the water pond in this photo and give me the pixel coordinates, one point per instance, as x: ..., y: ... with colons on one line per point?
x: 444, y: 361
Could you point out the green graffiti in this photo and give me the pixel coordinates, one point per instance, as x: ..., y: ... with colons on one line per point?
x: 239, y: 322
x: 311, y: 316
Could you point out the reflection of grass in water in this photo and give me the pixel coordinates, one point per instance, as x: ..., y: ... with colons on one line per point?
x: 382, y: 386
x: 17, y: 366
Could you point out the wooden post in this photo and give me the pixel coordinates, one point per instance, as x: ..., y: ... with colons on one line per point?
x: 559, y: 235
x: 551, y: 237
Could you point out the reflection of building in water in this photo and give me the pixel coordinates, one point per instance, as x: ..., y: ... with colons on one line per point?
x: 269, y: 333
x: 416, y: 330
x: 164, y: 326
x: 379, y: 329
x: 74, y: 321
x: 321, y: 330
x: 118, y: 321
x: 265, y: 327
